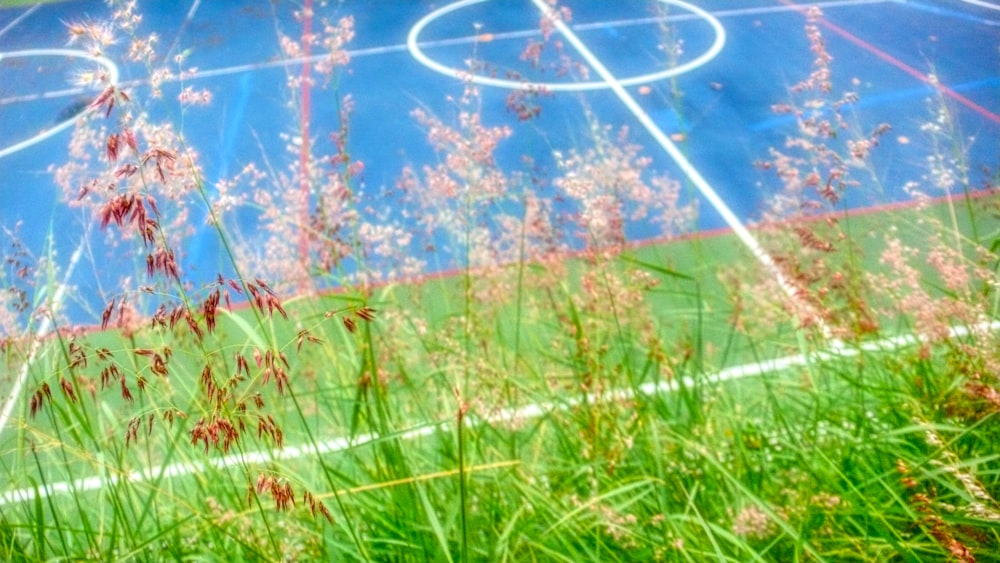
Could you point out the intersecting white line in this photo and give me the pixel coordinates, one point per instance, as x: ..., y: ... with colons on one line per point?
x: 402, y: 47
x: 706, y: 190
x: 528, y: 411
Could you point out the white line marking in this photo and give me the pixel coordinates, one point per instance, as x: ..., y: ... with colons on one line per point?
x: 340, y: 444
x: 414, y: 45
x: 43, y: 330
x: 56, y: 129
x: 737, y: 12
x: 19, y: 19
x: 465, y: 40
x: 982, y: 4
x: 513, y: 415
x: 57, y: 298
x: 184, y: 25
x: 671, y: 149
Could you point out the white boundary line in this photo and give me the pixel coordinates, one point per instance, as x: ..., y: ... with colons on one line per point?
x: 14, y: 23
x: 736, y: 12
x: 706, y: 190
x: 43, y: 330
x: 514, y: 415
x: 982, y: 4
x: 184, y: 24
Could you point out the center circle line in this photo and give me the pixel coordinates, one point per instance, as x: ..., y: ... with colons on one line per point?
x: 413, y: 44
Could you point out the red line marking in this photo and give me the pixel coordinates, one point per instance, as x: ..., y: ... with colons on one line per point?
x: 305, y: 89
x: 419, y: 279
x: 901, y: 65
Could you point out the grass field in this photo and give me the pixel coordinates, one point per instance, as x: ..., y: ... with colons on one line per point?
x: 665, y: 401
x: 524, y: 411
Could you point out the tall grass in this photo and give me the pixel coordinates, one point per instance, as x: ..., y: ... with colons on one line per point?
x: 564, y: 396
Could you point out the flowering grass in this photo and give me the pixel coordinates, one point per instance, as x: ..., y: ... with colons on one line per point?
x: 560, y: 395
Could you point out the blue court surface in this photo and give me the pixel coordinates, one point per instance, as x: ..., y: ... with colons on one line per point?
x: 738, y: 59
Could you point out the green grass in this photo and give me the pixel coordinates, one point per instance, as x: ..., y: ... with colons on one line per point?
x: 799, y: 463
x: 667, y: 401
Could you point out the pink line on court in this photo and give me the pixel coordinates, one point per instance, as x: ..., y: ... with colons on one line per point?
x: 420, y: 279
x: 923, y: 77
x: 306, y: 89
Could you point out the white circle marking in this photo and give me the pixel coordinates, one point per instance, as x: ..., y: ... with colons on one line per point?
x: 55, y: 129
x: 413, y: 44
